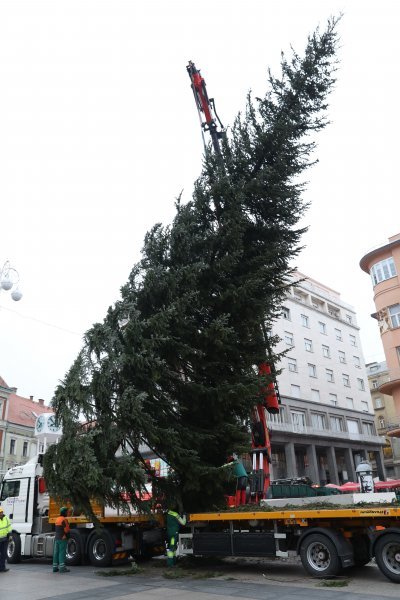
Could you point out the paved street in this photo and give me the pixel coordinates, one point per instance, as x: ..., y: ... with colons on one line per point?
x: 34, y: 580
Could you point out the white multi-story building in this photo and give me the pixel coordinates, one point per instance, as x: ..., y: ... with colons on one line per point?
x: 326, y: 423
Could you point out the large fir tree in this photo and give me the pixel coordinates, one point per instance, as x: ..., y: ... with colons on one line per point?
x: 174, y: 364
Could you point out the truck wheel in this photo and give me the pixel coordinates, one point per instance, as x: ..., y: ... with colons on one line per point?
x: 74, y: 553
x: 14, y: 548
x: 319, y: 556
x: 387, y: 554
x: 101, y: 547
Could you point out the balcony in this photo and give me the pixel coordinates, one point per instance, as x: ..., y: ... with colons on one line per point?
x: 306, y: 431
x: 393, y: 381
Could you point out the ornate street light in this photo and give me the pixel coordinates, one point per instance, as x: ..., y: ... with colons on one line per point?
x: 9, y: 279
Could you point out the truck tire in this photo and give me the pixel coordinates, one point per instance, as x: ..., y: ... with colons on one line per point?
x: 100, y: 550
x: 319, y: 556
x: 387, y: 555
x: 14, y: 548
x: 75, y: 544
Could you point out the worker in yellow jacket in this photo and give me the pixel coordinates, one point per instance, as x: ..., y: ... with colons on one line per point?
x: 5, y: 532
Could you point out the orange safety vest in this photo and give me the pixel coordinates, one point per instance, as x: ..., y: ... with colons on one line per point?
x: 62, y: 528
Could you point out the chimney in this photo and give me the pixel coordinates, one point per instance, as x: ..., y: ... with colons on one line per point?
x: 41, y: 401
x: 31, y: 398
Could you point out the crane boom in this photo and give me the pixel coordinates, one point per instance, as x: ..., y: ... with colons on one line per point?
x: 206, y: 108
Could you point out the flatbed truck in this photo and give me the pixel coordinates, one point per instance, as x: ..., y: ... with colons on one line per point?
x: 114, y: 538
x: 327, y: 539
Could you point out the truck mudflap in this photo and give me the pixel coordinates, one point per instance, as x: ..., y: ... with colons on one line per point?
x: 342, y: 545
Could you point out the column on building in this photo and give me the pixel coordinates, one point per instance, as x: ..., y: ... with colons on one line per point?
x: 332, y: 465
x: 312, y: 463
x: 348, y: 457
x: 380, y: 465
x: 290, y: 460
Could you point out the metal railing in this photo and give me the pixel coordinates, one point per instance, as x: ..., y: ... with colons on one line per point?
x: 327, y: 433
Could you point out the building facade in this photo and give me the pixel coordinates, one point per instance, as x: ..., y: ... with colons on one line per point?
x: 383, y: 265
x: 17, y: 426
x: 326, y: 422
x: 386, y: 419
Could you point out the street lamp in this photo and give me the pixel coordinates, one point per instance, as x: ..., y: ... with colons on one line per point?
x: 9, y: 279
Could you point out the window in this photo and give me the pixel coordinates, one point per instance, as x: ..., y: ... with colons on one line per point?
x: 289, y: 340
x: 349, y: 318
x: 364, y: 405
x: 300, y: 296
x: 352, y: 426
x: 378, y: 402
x: 329, y: 375
x: 286, y: 313
x: 338, y: 334
x: 308, y: 345
x: 317, y: 303
x: 333, y: 399
x: 305, y: 321
x: 315, y: 397
x: 312, y: 370
x: 346, y: 379
x: 381, y: 422
x: 333, y: 311
x: 12, y: 446
x: 336, y: 424
x: 10, y: 489
x: 398, y: 353
x: 325, y: 351
x: 292, y: 363
x: 295, y: 391
x: 318, y: 421
x: 357, y: 363
x: 368, y: 428
x: 353, y: 341
x: 342, y: 357
x: 298, y: 420
x: 322, y: 327
x: 361, y: 385
x: 278, y: 417
x: 394, y: 312
x: 25, y: 449
x: 349, y: 402
x: 382, y: 270
x: 375, y: 384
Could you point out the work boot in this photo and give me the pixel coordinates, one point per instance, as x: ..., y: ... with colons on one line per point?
x: 64, y: 570
x: 55, y: 569
x: 4, y: 570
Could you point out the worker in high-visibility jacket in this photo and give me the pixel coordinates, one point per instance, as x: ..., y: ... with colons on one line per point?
x: 61, y: 541
x: 5, y: 532
x: 174, y: 522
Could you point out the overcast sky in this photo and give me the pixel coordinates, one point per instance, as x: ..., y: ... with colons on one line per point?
x: 99, y: 134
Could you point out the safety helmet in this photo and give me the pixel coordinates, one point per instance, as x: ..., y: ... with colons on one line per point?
x: 1, y: 509
x: 63, y: 511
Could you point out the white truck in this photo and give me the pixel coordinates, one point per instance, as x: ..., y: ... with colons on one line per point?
x: 33, y: 512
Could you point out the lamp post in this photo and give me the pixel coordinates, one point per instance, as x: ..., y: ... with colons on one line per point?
x: 9, y: 279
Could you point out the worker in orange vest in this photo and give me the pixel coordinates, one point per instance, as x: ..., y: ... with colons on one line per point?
x: 61, y: 541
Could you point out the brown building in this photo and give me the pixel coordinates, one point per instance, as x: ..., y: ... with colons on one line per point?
x: 383, y: 265
x: 386, y: 419
x: 17, y: 426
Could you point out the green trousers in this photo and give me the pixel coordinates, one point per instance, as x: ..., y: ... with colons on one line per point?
x: 60, y: 550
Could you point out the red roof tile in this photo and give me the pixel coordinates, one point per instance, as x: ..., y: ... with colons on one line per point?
x: 23, y: 411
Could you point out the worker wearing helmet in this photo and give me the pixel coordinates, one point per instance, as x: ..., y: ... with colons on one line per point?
x: 61, y: 541
x: 5, y: 532
x: 174, y: 522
